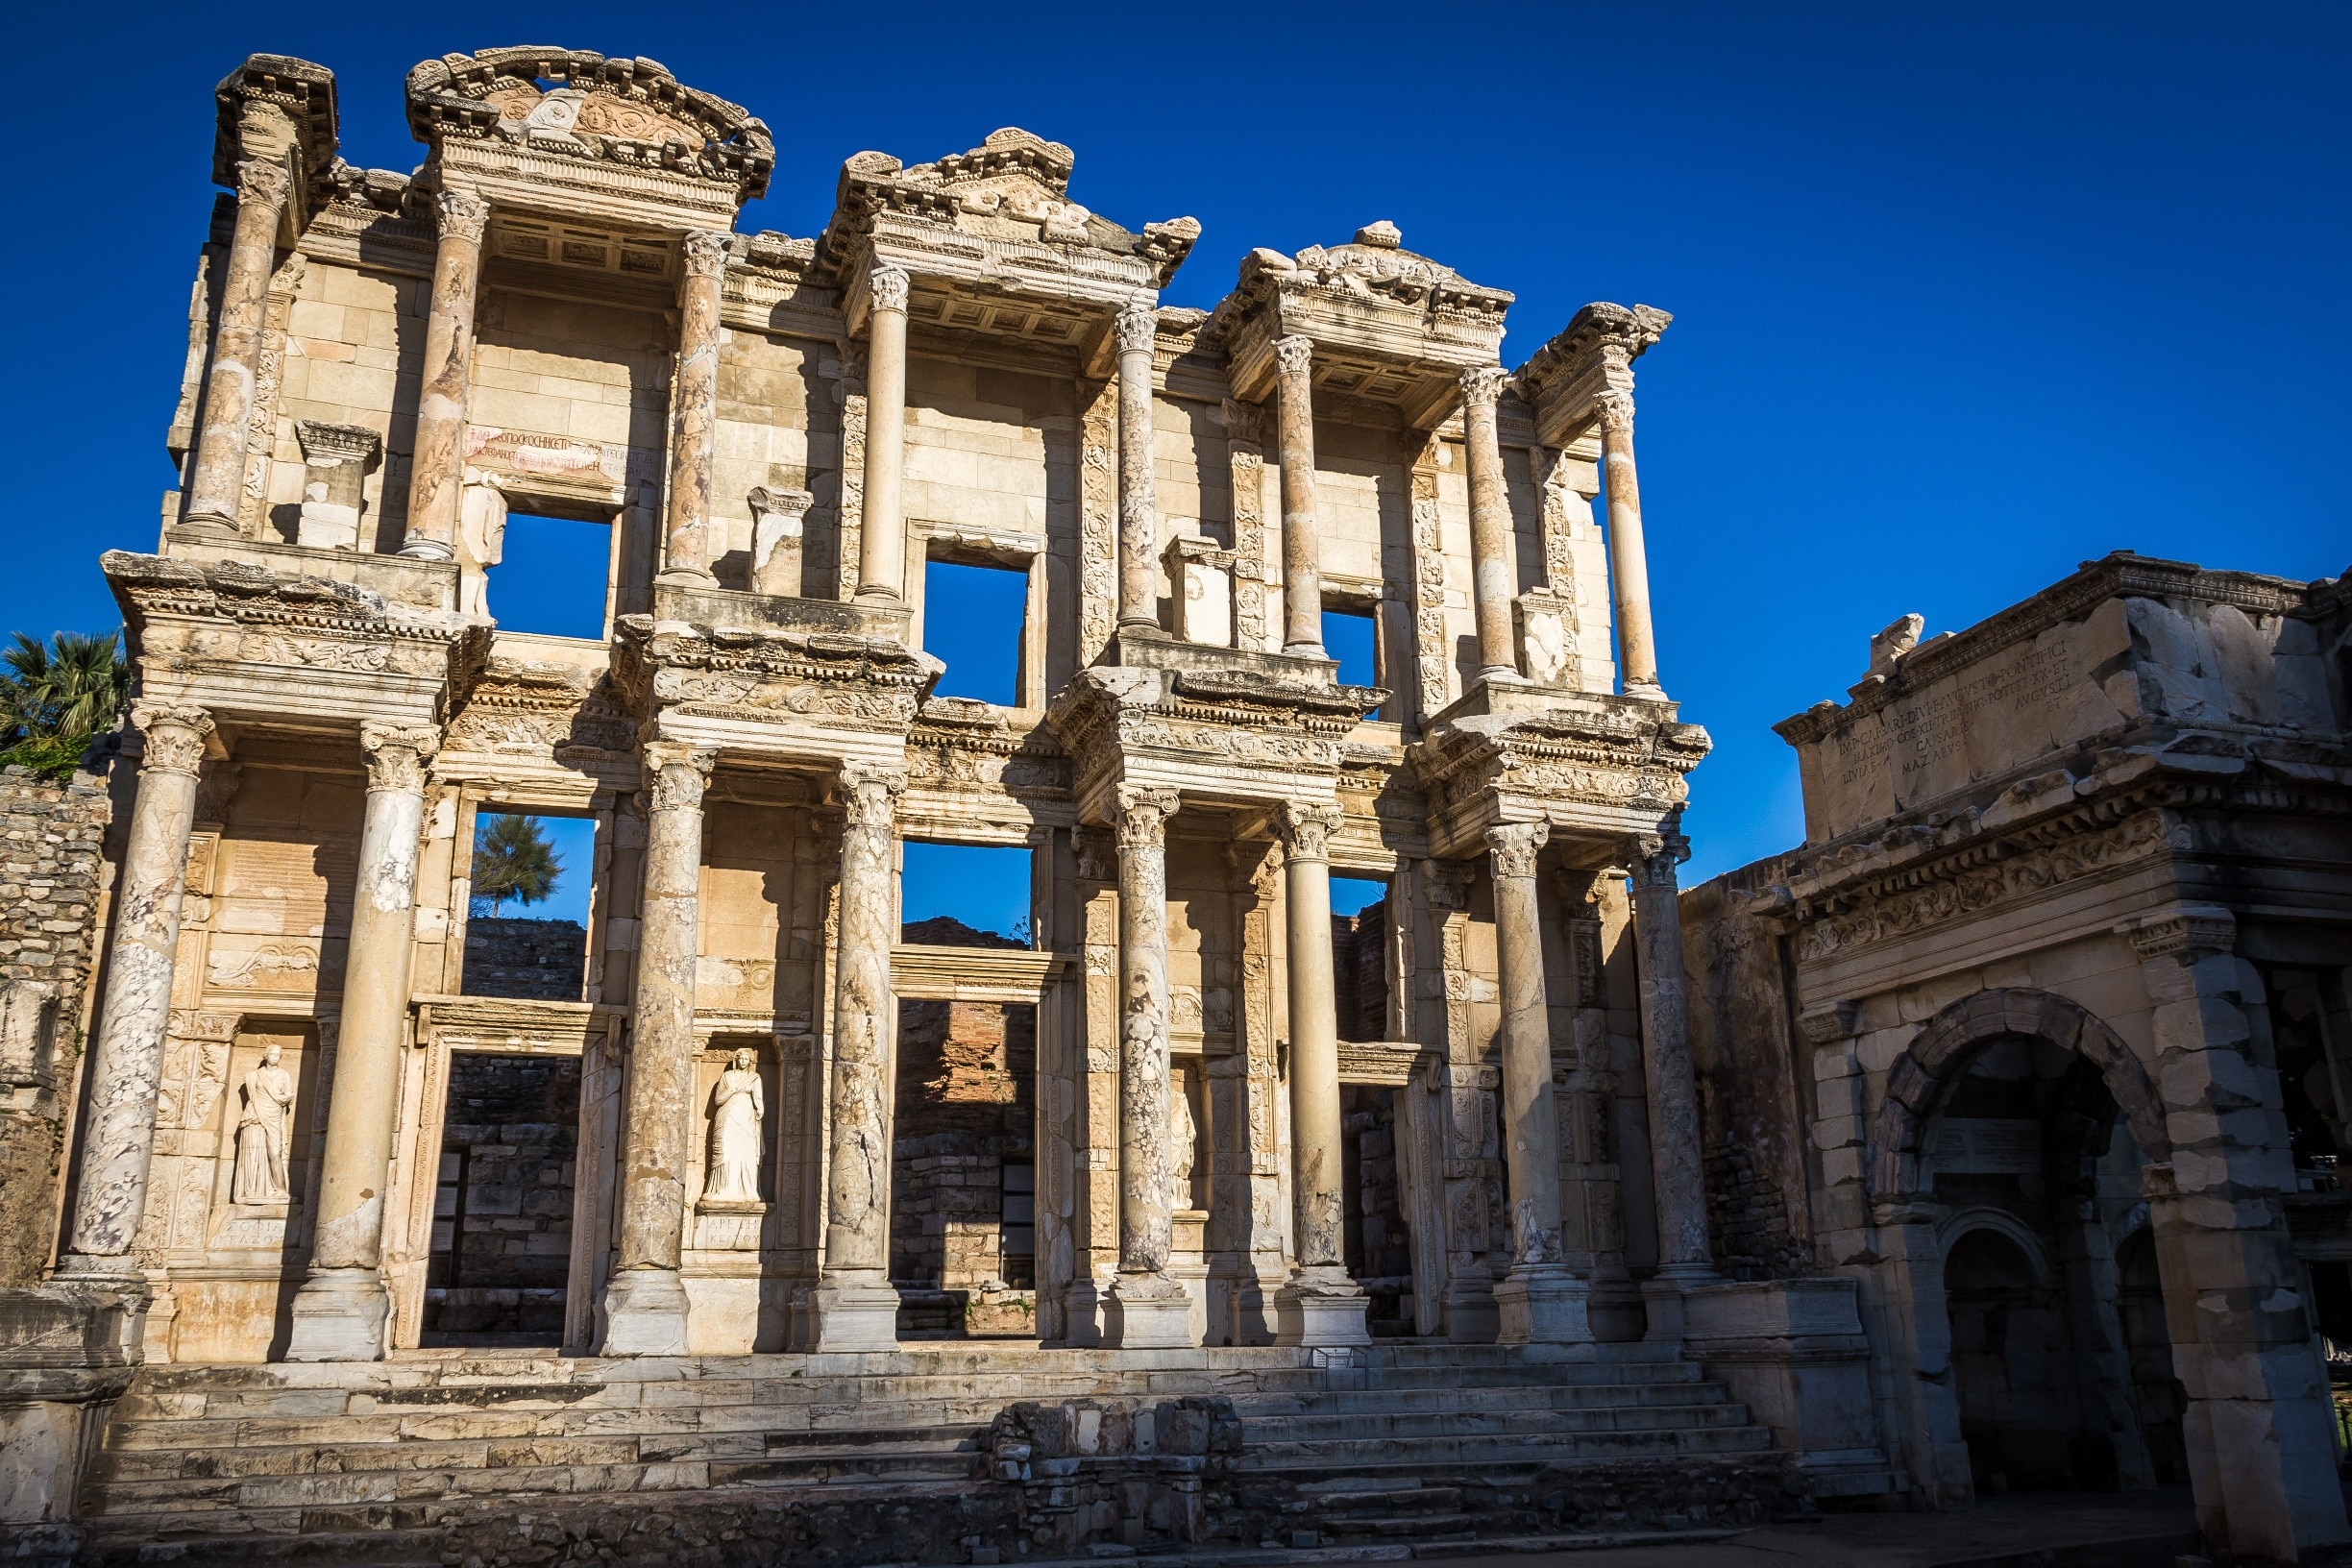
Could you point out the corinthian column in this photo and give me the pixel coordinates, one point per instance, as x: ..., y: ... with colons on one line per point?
x: 853, y: 1305
x: 437, y: 472
x: 118, y: 1127
x: 1685, y: 1256
x: 1321, y: 1305
x: 1540, y: 1301
x: 339, y: 1311
x: 645, y: 1306
x: 219, y: 476
x: 694, y: 413
x: 1491, y: 524
x: 1302, y: 574
x: 1138, y: 330
x: 882, y: 540
x: 1629, y: 563
x: 1147, y: 1307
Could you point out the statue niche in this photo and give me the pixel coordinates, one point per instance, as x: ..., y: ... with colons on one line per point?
x: 265, y: 1097
x: 738, y: 1107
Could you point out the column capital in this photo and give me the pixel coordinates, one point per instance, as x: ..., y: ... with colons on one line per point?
x: 397, y: 755
x: 675, y: 773
x: 889, y: 285
x: 1482, y: 384
x: 1448, y: 883
x: 1514, y: 846
x: 1096, y: 853
x: 1143, y: 810
x: 869, y: 795
x: 1294, y: 355
x: 174, y: 737
x: 1138, y: 329
x: 461, y: 215
x: 1652, y: 858
x: 1244, y: 423
x: 1615, y: 408
x: 1305, y: 828
x: 262, y: 180
x: 706, y: 252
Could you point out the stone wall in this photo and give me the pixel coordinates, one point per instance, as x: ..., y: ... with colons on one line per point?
x: 967, y: 1110
x: 1360, y: 973
x: 50, y: 876
x: 503, y: 1215
x: 537, y: 960
x: 1377, y: 1247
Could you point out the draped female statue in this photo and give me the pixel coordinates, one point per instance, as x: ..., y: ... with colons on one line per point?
x: 737, y: 1107
x: 266, y: 1096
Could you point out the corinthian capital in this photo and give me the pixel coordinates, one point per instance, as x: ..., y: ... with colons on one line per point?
x: 461, y: 215
x: 1306, y: 829
x: 397, y: 755
x: 706, y: 253
x: 1294, y: 355
x: 174, y: 737
x: 1616, y: 410
x: 676, y: 774
x: 1482, y: 384
x: 889, y: 288
x: 870, y: 796
x: 1651, y: 859
x: 1142, y: 816
x: 1138, y: 329
x: 262, y: 180
x: 1515, y: 845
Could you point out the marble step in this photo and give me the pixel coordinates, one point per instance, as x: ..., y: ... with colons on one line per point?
x: 1558, y: 1396
x: 1420, y: 1423
x: 1550, y: 1448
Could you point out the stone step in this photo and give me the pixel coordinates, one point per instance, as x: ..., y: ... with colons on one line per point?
x: 1559, y: 1397
x: 1551, y: 1449
x: 1471, y: 1423
x: 1455, y: 1525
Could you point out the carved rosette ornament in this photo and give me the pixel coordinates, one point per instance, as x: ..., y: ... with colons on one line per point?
x: 705, y: 253
x: 175, y: 738
x: 262, y: 182
x: 397, y: 755
x: 1138, y: 329
x: 1615, y: 410
x: 1306, y: 830
x: 1294, y: 355
x: 677, y: 775
x: 1515, y: 847
x: 1483, y: 384
x: 889, y: 288
x: 461, y: 215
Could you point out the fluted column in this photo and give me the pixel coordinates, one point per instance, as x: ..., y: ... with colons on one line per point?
x: 340, y: 1312
x: 1147, y: 1307
x: 882, y: 539
x: 436, y: 472
x: 1540, y: 1301
x: 126, y: 1064
x: 694, y: 413
x: 1629, y: 562
x: 1302, y: 571
x: 644, y: 1304
x: 1685, y: 1255
x: 1490, y: 525
x: 853, y: 1305
x: 1138, y: 544
x: 1321, y: 1305
x: 219, y: 476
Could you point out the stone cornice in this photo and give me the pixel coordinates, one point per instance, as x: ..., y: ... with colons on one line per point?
x: 148, y: 587
x: 304, y: 92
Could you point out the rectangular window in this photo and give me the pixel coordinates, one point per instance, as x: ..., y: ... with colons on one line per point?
x: 1360, y: 957
x: 973, y: 622
x: 527, y: 924
x: 1353, y: 638
x: 965, y: 896
x: 550, y: 576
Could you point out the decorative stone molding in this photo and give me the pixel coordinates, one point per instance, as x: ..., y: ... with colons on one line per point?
x: 1483, y: 383
x: 397, y: 755
x: 264, y: 182
x: 1515, y: 847
x: 869, y: 796
x: 1096, y: 850
x: 461, y: 215
x: 1615, y: 410
x: 1142, y: 817
x: 2190, y: 933
x: 677, y: 774
x: 1830, y: 1022
x: 1296, y: 356
x: 174, y: 737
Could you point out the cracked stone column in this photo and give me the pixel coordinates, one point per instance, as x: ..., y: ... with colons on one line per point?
x: 644, y: 1304
x: 1677, y: 1156
x: 694, y: 413
x: 219, y: 476
x: 1139, y: 539
x: 882, y: 537
x: 126, y: 1064
x: 1147, y: 1308
x: 1629, y: 562
x: 854, y: 1305
x: 1302, y: 571
x: 1321, y: 1305
x: 340, y: 1312
x: 1539, y: 1302
x: 436, y: 472
x: 1490, y: 525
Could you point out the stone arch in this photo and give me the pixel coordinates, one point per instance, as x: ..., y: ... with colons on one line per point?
x: 2010, y: 1228
x: 1952, y: 1038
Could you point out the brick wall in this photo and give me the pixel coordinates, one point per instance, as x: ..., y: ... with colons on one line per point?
x: 966, y: 1075
x: 502, y: 1240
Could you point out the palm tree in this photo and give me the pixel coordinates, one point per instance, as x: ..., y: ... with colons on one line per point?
x: 513, y: 859
x: 56, y: 696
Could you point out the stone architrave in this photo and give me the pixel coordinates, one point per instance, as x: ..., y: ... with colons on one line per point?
x: 126, y: 1064
x: 1539, y: 1302
x: 1321, y: 1304
x: 853, y: 1305
x: 1138, y: 527
x: 1147, y: 1308
x: 882, y: 541
x: 1491, y: 524
x: 263, y: 186
x: 645, y: 1305
x: 1679, y: 1182
x: 694, y: 413
x: 436, y: 472
x: 1629, y: 560
x: 1301, y: 569
x: 340, y: 1312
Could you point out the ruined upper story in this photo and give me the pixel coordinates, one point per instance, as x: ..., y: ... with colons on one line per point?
x: 599, y: 172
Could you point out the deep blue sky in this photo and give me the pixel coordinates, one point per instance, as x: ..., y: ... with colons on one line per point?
x: 1964, y: 295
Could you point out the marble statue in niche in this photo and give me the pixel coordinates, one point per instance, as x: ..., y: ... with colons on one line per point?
x: 737, y: 1109
x: 267, y: 1097
x: 1184, y: 1137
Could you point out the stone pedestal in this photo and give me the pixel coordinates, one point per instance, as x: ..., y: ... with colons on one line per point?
x: 1793, y: 1352
x: 1320, y: 1306
x: 66, y: 1354
x: 1148, y: 1311
x: 853, y: 1311
x: 645, y: 1314
x: 1541, y: 1304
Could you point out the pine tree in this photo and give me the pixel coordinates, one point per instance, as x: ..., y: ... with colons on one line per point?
x: 513, y: 859
x: 56, y: 696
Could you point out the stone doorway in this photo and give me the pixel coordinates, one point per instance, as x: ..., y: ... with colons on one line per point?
x: 502, y: 1201
x: 1379, y: 1247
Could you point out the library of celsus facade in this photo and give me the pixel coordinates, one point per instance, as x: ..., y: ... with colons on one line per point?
x: 340, y: 1142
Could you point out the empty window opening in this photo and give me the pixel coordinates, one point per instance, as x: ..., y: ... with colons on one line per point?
x: 1353, y: 638
x: 548, y: 576
x: 963, y: 1172
x: 1379, y: 1252
x: 965, y: 896
x: 527, y: 916
x: 1360, y: 957
x: 973, y: 622
x: 502, y: 1230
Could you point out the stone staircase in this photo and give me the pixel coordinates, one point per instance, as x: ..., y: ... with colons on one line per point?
x: 911, y: 1456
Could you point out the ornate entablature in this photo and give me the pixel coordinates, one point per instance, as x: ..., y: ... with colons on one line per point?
x: 1390, y: 328
x: 1565, y: 380
x: 1603, y: 769
x: 971, y: 771
x: 283, y: 109
x: 288, y: 649
x: 575, y: 135
x: 524, y: 716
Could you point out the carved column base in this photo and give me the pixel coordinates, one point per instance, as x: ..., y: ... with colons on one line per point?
x: 1470, y: 1314
x: 339, y: 1316
x: 427, y: 549
x: 212, y: 524
x: 1148, y: 1311
x: 1662, y: 1299
x: 685, y: 577
x: 1542, y: 1304
x: 645, y: 1314
x: 853, y: 1311
x: 1321, y: 1306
